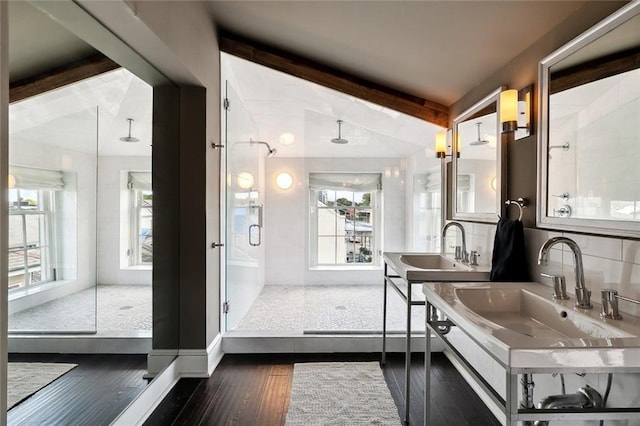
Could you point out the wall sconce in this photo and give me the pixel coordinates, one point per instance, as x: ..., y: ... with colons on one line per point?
x: 284, y: 180
x: 245, y: 180
x: 441, y: 145
x: 515, y: 112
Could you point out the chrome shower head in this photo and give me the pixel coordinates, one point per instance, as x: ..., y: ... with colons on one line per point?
x: 129, y: 138
x: 479, y: 141
x: 339, y: 140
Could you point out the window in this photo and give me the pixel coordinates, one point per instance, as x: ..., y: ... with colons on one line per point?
x: 345, y: 222
x: 31, y: 221
x: 141, y: 226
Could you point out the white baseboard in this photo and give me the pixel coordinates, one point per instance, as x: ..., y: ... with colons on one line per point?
x: 142, y: 407
x: 199, y: 363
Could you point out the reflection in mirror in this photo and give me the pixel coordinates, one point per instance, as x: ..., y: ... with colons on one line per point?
x: 589, y: 154
x: 477, y: 167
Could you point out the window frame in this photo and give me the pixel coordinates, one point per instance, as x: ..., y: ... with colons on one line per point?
x: 46, y: 243
x: 136, y: 208
x: 374, y: 210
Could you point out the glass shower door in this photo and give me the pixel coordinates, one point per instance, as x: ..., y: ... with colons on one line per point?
x: 244, y: 211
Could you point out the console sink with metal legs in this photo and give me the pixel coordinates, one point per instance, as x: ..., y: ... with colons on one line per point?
x: 419, y: 268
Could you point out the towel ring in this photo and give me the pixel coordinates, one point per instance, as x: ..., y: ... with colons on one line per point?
x: 520, y: 202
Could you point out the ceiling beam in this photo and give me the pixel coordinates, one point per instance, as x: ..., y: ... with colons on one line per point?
x: 60, y: 76
x: 346, y: 83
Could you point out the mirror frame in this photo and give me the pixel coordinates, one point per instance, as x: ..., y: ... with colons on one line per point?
x: 592, y: 226
x: 493, y: 97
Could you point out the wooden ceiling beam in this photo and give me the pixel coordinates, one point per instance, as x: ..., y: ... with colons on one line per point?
x: 60, y: 76
x: 297, y: 66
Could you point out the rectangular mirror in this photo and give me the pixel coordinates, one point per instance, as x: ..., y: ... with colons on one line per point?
x: 589, y: 152
x: 478, y: 166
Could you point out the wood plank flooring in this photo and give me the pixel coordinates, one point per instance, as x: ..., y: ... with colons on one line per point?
x: 93, y: 393
x: 248, y: 390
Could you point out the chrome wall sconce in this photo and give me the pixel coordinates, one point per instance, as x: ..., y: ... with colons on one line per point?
x: 441, y: 146
x: 516, y: 112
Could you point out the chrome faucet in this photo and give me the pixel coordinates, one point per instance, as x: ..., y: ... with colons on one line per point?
x: 461, y: 254
x: 582, y: 294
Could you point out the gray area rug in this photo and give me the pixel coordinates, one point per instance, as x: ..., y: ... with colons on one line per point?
x: 340, y: 393
x: 26, y: 378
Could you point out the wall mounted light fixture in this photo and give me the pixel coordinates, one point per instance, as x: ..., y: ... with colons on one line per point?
x: 515, y: 112
x: 284, y: 180
x: 441, y: 145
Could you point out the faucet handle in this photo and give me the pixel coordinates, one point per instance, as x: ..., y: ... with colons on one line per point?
x: 610, y: 304
x: 473, y: 258
x: 559, y: 286
x: 458, y: 255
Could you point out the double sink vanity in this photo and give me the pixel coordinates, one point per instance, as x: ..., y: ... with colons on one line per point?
x: 520, y: 325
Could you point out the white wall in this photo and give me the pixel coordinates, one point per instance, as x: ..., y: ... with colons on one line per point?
x: 286, y: 230
x: 113, y: 210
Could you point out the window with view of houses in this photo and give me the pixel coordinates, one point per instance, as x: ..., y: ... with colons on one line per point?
x: 345, y: 222
x: 31, y: 248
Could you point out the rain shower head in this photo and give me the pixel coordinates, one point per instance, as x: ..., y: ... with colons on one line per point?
x: 339, y: 140
x: 479, y: 141
x: 129, y: 138
x: 272, y: 151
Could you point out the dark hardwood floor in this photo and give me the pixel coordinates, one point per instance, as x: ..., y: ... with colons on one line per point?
x: 93, y: 393
x: 248, y: 390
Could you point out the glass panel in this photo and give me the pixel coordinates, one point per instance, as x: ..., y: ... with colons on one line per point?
x: 56, y: 291
x: 16, y: 237
x: 244, y: 201
x: 35, y: 228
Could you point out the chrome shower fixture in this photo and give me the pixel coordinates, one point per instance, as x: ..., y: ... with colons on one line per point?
x: 272, y: 151
x: 479, y: 141
x: 339, y: 140
x: 129, y: 138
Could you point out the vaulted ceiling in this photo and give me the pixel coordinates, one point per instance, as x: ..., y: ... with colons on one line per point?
x: 434, y: 50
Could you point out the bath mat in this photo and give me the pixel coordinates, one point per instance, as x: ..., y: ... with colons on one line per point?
x: 26, y: 378
x: 340, y: 393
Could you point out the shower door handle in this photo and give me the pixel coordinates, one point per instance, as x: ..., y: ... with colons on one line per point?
x: 255, y: 232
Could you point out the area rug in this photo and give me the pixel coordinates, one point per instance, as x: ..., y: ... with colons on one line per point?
x: 340, y: 393
x: 26, y: 378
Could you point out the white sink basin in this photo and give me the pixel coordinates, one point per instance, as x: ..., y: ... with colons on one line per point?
x: 432, y: 267
x: 432, y: 261
x: 523, y: 327
x: 529, y: 314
